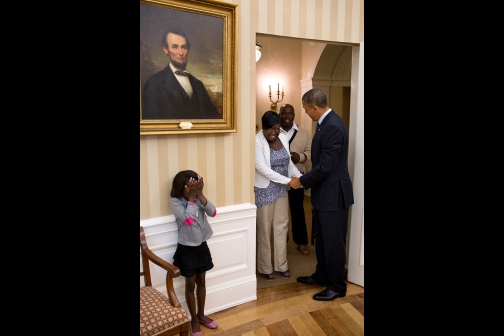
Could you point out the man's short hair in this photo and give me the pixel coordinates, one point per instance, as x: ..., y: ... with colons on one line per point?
x: 315, y: 97
x: 177, y: 31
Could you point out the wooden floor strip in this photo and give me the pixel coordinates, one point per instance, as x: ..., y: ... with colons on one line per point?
x: 354, y: 313
x: 308, y: 326
x: 358, y: 303
x: 281, y: 328
x: 259, y: 332
x: 356, y: 326
x: 330, y: 323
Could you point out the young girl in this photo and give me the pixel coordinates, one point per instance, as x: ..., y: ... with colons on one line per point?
x: 192, y: 256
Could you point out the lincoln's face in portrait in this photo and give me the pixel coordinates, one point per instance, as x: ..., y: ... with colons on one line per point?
x: 177, y: 50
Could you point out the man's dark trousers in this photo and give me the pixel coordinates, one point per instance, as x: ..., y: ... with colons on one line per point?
x: 331, y: 229
x: 299, y: 232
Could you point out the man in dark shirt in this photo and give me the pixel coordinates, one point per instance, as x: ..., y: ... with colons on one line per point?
x: 173, y: 93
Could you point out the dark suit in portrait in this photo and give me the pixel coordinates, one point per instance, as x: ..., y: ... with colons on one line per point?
x: 164, y: 98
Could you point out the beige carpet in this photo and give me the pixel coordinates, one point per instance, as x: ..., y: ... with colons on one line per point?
x: 299, y: 265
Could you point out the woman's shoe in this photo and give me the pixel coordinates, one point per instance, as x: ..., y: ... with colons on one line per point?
x: 285, y: 274
x: 197, y: 333
x: 211, y: 325
x: 269, y: 276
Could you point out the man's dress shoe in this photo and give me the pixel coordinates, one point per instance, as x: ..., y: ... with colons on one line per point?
x: 328, y: 295
x: 304, y: 249
x: 308, y: 280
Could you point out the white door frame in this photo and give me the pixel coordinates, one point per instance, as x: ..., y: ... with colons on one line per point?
x: 356, y: 165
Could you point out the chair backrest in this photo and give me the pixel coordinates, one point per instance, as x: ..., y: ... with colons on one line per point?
x: 172, y: 271
x: 145, y: 259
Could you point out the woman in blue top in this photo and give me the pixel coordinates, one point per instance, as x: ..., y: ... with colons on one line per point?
x: 192, y: 256
x: 273, y: 169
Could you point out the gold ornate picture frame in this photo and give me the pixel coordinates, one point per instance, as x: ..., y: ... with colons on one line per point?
x: 210, y: 27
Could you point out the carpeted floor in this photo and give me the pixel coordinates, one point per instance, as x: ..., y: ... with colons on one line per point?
x: 299, y: 265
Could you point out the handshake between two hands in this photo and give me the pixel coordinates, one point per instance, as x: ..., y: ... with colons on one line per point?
x: 295, y: 183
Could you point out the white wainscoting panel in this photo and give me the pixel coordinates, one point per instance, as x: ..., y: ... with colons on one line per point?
x: 233, y: 280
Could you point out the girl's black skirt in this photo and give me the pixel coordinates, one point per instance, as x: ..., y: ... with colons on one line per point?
x: 193, y: 259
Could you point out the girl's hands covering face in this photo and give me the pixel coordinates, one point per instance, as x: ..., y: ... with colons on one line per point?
x: 190, y: 190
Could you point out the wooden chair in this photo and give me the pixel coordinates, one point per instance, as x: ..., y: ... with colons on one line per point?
x: 159, y: 315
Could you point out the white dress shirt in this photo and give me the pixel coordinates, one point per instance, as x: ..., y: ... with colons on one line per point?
x: 184, y: 81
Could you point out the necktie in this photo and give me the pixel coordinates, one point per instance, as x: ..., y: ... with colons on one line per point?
x: 181, y: 73
x: 317, y: 129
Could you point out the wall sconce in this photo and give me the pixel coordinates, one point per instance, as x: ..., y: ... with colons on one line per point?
x: 274, y: 104
x: 258, y: 51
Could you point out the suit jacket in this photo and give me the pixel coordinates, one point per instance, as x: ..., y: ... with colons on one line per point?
x: 164, y: 98
x: 329, y: 180
x: 263, y: 172
x: 301, y: 144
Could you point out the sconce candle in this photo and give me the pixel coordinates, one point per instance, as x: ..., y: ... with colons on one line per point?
x: 274, y: 103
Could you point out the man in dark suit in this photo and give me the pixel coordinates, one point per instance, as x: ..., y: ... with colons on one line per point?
x: 331, y: 195
x: 173, y: 93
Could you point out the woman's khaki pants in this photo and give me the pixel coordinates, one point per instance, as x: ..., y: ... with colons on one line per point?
x: 273, y: 216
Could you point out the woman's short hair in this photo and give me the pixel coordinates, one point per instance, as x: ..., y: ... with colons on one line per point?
x: 269, y: 119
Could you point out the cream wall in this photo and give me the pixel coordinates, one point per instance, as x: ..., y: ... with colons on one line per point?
x: 227, y: 160
x: 280, y: 63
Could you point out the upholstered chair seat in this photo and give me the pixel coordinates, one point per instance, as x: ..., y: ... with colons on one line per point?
x: 157, y: 314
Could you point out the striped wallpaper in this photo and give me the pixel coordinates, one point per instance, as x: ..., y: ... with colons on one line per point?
x: 226, y: 161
